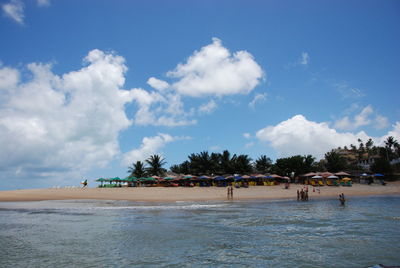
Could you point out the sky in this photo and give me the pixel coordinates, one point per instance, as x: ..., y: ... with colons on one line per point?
x: 89, y: 87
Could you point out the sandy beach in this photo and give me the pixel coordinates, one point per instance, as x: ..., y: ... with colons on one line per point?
x: 196, y: 193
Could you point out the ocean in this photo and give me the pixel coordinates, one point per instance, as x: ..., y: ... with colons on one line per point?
x: 273, y: 233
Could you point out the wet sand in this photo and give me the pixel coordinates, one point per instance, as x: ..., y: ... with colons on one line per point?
x: 196, y: 193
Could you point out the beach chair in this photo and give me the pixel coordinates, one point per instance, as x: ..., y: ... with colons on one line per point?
x: 313, y: 183
x: 329, y: 183
x: 348, y: 183
x: 335, y: 183
x: 321, y: 183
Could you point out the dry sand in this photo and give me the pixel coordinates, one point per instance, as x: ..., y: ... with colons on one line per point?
x: 196, y: 193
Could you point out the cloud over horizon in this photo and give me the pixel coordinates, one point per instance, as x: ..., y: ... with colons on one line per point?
x: 54, y: 124
x: 297, y: 135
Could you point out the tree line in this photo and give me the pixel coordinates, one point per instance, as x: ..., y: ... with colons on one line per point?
x: 205, y: 163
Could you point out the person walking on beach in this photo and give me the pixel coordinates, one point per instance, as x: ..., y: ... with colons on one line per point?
x: 298, y: 195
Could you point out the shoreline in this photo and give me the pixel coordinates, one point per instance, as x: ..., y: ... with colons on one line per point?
x: 170, y: 194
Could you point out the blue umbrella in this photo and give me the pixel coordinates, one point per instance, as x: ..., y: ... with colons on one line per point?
x: 378, y: 175
x: 238, y: 178
x: 219, y: 178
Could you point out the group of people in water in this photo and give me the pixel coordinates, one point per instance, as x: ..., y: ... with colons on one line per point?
x: 302, y: 195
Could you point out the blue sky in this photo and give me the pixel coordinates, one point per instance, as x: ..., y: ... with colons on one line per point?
x: 88, y: 87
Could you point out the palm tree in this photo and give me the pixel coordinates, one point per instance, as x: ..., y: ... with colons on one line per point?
x: 242, y: 164
x: 263, y: 164
x: 389, y: 143
x: 226, y: 162
x: 156, y: 163
x: 335, y: 162
x: 137, y: 170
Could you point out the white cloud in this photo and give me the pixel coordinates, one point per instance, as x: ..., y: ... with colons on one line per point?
x: 43, y: 3
x: 157, y: 83
x: 58, y: 124
x: 149, y: 146
x: 298, y: 135
x: 247, y: 135
x: 14, y: 10
x: 349, y: 92
x: 305, y: 58
x: 249, y: 145
x: 362, y: 119
x: 160, y: 109
x: 258, y: 98
x: 381, y: 122
x: 8, y: 78
x: 215, y: 71
x: 208, y: 108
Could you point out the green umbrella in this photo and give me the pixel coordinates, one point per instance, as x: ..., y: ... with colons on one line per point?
x: 101, y: 180
x: 169, y: 178
x: 148, y: 179
x: 131, y: 179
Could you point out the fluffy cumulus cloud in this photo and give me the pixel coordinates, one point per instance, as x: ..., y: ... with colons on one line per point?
x: 157, y: 83
x: 298, y: 135
x: 364, y: 118
x: 149, y: 146
x: 160, y: 109
x: 53, y: 123
x: 14, y: 10
x: 215, y: 71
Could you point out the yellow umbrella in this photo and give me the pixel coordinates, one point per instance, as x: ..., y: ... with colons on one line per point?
x: 346, y: 179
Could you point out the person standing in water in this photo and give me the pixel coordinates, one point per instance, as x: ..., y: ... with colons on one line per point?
x: 342, y: 199
x: 230, y: 191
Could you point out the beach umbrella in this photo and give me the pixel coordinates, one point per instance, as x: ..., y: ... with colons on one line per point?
x: 131, y: 179
x: 326, y: 174
x: 378, y: 175
x: 364, y: 175
x: 101, y: 180
x: 333, y: 177
x: 316, y: 177
x: 238, y: 178
x: 203, y: 177
x: 170, y: 178
x: 341, y: 173
x: 346, y: 179
x: 309, y: 174
x: 219, y: 178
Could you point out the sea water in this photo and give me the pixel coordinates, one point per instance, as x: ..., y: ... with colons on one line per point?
x: 284, y: 233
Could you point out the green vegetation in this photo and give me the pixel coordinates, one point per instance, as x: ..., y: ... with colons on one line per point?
x: 354, y: 158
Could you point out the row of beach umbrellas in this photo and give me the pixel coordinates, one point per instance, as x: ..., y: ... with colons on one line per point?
x: 191, y: 177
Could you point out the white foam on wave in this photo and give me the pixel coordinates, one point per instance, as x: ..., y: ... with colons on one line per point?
x: 163, y: 207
